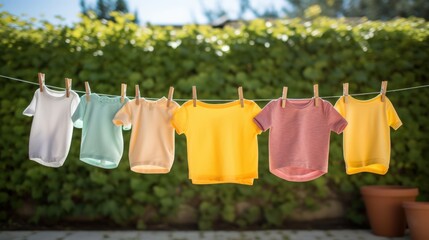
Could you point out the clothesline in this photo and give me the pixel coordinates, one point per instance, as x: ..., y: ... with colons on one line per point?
x: 215, y: 100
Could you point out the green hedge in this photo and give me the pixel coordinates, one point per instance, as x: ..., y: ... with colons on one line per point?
x: 262, y: 56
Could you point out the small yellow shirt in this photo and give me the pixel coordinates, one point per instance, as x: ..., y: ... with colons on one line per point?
x: 366, y: 139
x: 221, y: 141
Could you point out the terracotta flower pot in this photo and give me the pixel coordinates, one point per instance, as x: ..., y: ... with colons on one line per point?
x: 418, y: 218
x: 384, y: 208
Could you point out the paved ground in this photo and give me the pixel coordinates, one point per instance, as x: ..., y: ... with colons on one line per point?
x: 191, y: 235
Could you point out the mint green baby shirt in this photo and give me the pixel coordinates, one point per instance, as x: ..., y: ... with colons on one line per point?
x: 102, y: 143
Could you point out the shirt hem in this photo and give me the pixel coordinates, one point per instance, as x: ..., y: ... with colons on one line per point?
x: 316, y: 173
x: 365, y: 169
x: 245, y: 179
x: 373, y: 166
x: 97, y: 161
x: 55, y: 164
x: 145, y: 167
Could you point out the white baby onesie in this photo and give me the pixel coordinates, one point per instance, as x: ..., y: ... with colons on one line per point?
x: 52, y: 127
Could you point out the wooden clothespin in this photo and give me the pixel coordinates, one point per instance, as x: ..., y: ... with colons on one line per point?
x: 194, y: 95
x: 240, y: 96
x: 87, y: 91
x: 170, y: 96
x: 316, y: 94
x: 41, y: 77
x: 137, y: 94
x: 345, y: 92
x: 123, y: 92
x: 68, y: 82
x: 284, y: 96
x: 383, y: 90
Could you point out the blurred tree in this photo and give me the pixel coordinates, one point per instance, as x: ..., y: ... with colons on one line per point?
x: 103, y: 8
x: 331, y: 8
x: 245, y: 7
x: 83, y: 7
x: 372, y: 9
x: 121, y: 6
x: 387, y: 9
x: 136, y: 17
x: 213, y: 14
x: 269, y: 12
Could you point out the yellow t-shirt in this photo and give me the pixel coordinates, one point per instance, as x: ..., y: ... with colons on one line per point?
x: 366, y: 140
x: 221, y: 141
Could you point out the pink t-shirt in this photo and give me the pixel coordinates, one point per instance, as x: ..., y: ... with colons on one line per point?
x: 299, y: 137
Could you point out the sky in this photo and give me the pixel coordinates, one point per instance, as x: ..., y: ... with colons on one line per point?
x: 162, y: 12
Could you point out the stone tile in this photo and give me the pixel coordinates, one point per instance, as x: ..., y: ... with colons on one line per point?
x: 264, y: 235
x: 174, y: 235
x: 80, y: 235
x: 195, y: 235
x: 44, y: 235
x: 15, y: 235
x: 121, y: 235
x: 225, y: 235
x: 308, y: 235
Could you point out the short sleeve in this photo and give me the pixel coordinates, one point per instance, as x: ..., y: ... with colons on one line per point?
x: 340, y: 107
x: 124, y: 117
x: 79, y: 113
x: 336, y: 122
x: 174, y: 106
x: 127, y: 126
x: 74, y: 103
x: 31, y: 109
x: 264, y: 118
x: 255, y: 111
x: 392, y: 117
x: 180, y: 120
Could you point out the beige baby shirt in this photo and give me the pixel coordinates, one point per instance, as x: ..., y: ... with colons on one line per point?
x: 152, y: 137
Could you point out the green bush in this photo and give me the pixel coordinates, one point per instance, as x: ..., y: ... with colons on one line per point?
x: 262, y: 56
